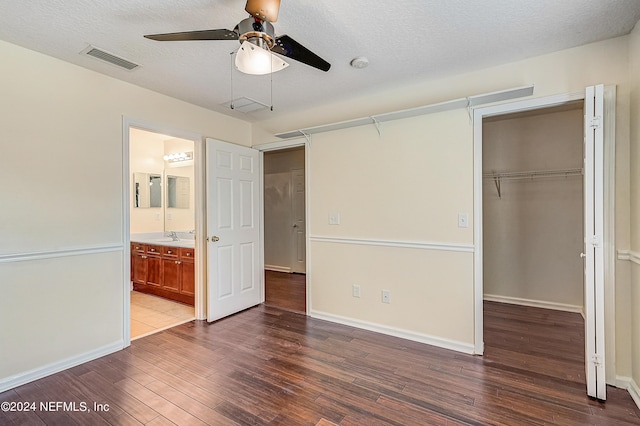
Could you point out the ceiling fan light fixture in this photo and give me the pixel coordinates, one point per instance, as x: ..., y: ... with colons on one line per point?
x: 252, y: 59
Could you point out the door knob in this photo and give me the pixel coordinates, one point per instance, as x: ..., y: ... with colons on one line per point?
x: 215, y: 239
x: 583, y: 255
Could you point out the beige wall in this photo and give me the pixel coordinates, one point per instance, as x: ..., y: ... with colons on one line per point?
x: 385, y: 191
x: 398, y: 196
x: 533, y: 232
x: 61, y: 136
x: 634, y: 300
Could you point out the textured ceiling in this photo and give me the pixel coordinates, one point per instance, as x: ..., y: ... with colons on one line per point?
x: 404, y: 40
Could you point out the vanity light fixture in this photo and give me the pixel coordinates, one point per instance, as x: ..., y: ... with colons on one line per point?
x: 178, y: 156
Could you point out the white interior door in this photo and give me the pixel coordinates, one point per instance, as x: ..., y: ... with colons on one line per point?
x: 593, y: 241
x: 234, y: 276
x: 298, y: 261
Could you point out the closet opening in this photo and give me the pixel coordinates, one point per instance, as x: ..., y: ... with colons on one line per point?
x: 533, y: 227
x: 285, y: 229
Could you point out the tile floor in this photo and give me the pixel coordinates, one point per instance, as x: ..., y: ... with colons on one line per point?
x: 150, y: 314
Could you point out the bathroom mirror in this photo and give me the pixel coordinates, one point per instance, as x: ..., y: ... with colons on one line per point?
x: 147, y: 190
x: 178, y: 192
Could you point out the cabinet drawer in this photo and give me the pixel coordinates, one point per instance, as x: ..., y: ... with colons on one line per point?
x: 186, y: 253
x: 154, y: 250
x: 170, y: 251
x: 138, y: 248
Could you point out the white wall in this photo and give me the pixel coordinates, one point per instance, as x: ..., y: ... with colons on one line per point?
x: 410, y: 185
x: 61, y: 258
x: 533, y: 231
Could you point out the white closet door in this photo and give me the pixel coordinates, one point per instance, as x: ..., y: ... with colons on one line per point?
x: 593, y: 242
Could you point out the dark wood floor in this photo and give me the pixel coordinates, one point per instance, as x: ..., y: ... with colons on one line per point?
x: 286, y: 291
x: 269, y: 366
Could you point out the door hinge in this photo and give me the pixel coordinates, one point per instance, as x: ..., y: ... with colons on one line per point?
x: 595, y: 122
x: 596, y: 360
x: 595, y: 241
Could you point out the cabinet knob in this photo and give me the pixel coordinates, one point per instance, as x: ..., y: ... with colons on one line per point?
x: 169, y: 251
x: 188, y: 254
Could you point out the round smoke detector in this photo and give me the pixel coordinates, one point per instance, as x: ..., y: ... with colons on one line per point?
x: 359, y: 62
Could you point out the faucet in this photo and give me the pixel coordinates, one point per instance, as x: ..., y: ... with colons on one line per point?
x: 173, y: 236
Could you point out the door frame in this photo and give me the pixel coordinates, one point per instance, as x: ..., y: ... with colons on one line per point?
x: 286, y: 144
x: 200, y: 272
x: 609, y: 210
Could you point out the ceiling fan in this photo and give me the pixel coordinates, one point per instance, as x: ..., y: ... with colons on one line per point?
x: 257, y: 35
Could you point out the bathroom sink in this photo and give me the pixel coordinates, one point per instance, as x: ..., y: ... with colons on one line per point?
x: 165, y: 240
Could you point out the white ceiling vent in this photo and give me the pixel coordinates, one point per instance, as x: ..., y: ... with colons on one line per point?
x: 245, y: 105
x: 105, y: 56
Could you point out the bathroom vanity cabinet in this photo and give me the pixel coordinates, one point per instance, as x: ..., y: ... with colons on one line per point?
x: 165, y: 271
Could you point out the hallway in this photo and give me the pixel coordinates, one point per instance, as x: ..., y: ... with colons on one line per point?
x: 286, y: 291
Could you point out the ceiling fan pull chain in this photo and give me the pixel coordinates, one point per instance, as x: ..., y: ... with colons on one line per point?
x: 231, y: 63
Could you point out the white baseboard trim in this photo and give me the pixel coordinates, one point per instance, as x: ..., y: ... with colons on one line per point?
x: 534, y: 303
x: 277, y: 268
x: 631, y: 386
x: 454, y: 345
x: 634, y: 390
x: 38, y: 373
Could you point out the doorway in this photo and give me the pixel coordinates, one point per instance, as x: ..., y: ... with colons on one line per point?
x: 162, y: 230
x: 599, y: 212
x: 533, y: 227
x: 285, y: 229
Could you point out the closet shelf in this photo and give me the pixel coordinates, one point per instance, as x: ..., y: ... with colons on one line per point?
x: 534, y: 174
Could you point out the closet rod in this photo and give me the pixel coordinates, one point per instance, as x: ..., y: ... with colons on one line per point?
x: 533, y: 174
x: 499, y: 177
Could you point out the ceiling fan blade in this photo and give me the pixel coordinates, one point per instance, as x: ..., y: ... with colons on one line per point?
x: 267, y: 10
x: 195, y: 35
x: 290, y: 48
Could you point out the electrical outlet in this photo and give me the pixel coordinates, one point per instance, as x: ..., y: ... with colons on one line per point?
x: 356, y: 290
x: 386, y: 296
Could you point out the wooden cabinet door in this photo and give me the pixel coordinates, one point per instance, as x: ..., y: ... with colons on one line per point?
x: 187, y: 278
x: 154, y: 266
x: 171, y: 274
x: 138, y: 268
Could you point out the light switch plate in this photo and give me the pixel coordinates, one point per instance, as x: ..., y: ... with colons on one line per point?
x: 463, y: 220
x: 334, y: 218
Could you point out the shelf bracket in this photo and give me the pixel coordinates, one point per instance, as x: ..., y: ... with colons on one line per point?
x: 498, y: 181
x: 306, y: 135
x: 377, y: 124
